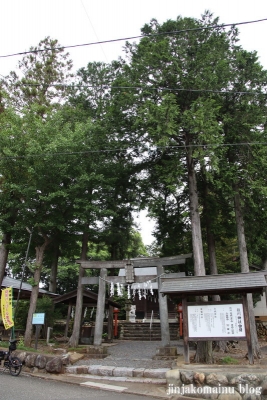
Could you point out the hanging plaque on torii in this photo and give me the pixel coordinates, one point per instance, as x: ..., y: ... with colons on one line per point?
x: 128, y: 279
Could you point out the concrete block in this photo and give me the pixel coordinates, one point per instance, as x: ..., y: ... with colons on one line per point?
x: 94, y: 369
x: 71, y: 370
x: 123, y: 371
x: 105, y: 371
x: 173, y: 377
x: 82, y: 369
x: 138, y: 372
x: 166, y: 351
x: 156, y: 373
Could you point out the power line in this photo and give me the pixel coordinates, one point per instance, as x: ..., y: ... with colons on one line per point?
x: 86, y: 13
x: 106, y: 87
x: 174, y: 147
x: 134, y: 37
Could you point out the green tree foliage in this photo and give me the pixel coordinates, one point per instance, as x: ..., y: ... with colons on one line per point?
x: 42, y: 79
x: 171, y: 107
x: 44, y: 305
x: 181, y: 77
x: 169, y: 129
x: 119, y: 194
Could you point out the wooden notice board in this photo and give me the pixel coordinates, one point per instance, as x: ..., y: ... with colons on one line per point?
x: 224, y: 320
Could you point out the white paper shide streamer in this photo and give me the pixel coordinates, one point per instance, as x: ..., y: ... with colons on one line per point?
x: 111, y: 289
x: 143, y: 291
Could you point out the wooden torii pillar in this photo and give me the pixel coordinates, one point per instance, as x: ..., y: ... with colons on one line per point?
x: 129, y: 278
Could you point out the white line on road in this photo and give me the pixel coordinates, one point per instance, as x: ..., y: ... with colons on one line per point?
x: 104, y: 386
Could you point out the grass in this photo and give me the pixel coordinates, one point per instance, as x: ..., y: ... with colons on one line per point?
x: 229, y: 360
x: 19, y: 346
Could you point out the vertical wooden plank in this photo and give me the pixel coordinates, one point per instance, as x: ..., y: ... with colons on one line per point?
x: 185, y: 331
x: 247, y: 327
x: 100, y: 310
x: 163, y: 312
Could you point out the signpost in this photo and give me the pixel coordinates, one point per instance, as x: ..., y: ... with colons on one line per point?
x: 38, y: 320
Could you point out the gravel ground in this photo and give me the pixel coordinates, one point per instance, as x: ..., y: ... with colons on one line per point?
x: 133, y: 354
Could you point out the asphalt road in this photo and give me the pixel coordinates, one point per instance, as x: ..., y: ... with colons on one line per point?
x: 31, y: 388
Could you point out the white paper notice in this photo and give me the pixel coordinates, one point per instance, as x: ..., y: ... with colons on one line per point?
x: 222, y: 320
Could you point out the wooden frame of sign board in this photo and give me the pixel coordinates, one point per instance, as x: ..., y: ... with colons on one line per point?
x: 187, y: 334
x: 207, y: 285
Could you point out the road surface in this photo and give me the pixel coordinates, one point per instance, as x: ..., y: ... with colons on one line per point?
x: 26, y: 387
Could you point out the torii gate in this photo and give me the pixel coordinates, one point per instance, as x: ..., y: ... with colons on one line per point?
x: 129, y: 278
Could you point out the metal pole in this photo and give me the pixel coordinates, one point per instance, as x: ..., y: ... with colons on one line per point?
x: 23, y: 271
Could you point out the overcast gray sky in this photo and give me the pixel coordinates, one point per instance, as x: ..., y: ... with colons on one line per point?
x: 23, y: 23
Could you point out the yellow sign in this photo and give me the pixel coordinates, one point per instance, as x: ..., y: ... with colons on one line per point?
x: 6, y: 308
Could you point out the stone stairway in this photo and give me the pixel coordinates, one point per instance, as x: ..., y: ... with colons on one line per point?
x: 142, y: 331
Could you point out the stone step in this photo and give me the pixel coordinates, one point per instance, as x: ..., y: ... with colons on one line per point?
x: 147, y: 334
x: 142, y: 339
x: 147, y: 323
x: 147, y: 326
x: 140, y: 333
x: 147, y: 331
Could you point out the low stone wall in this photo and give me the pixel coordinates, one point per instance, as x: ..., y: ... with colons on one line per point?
x: 34, y: 362
x: 221, y: 385
x: 58, y: 361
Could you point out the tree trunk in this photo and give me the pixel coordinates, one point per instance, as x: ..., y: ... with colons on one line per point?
x: 211, y: 249
x: 74, y: 339
x: 4, y: 250
x: 245, y: 267
x: 54, y: 265
x: 204, y: 353
x: 199, y: 265
x: 204, y: 349
x: 35, y: 290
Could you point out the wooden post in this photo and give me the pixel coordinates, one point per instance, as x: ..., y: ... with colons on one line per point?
x: 163, y: 312
x: 68, y: 320
x: 116, y: 312
x: 110, y: 323
x: 247, y: 327
x: 185, y: 331
x: 100, y: 310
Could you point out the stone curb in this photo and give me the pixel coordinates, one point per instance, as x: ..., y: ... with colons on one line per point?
x: 107, y: 371
x: 154, y: 381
